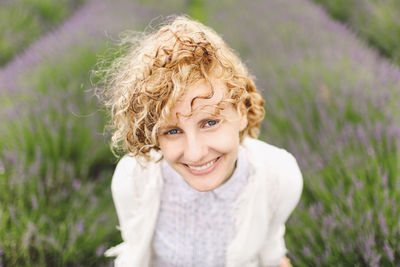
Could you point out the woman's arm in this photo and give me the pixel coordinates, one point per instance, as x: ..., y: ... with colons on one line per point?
x: 122, y: 189
x: 288, y: 192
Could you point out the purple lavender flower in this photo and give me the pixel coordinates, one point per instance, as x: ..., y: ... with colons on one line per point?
x: 34, y: 202
x: 382, y: 224
x: 77, y: 184
x: 316, y: 210
x: 307, y: 251
x: 388, y: 250
x: 378, y: 131
x: 100, y: 250
x: 385, y: 179
x: 80, y: 227
x: 350, y: 198
x: 2, y: 169
x: 361, y: 135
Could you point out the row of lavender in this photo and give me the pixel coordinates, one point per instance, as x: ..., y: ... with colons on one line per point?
x: 55, y: 164
x: 26, y: 20
x: 330, y: 100
x: 334, y: 103
x: 377, y: 22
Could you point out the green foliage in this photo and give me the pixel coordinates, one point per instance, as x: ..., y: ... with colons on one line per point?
x: 339, y: 9
x: 21, y: 30
x: 354, y: 210
x: 197, y: 10
x: 334, y: 105
x: 26, y: 20
x: 57, y: 170
x: 325, y: 103
x: 378, y: 22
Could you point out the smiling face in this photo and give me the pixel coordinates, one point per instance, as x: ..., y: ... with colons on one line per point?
x: 203, y: 147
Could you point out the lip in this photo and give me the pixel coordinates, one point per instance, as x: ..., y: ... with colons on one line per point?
x: 205, y: 171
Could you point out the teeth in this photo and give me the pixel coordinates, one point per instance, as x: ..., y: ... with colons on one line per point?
x: 205, y: 166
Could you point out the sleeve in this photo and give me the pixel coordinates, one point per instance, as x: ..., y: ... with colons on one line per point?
x: 122, y: 189
x: 123, y: 197
x: 290, y: 183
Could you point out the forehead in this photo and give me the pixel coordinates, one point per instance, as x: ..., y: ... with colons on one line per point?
x: 200, y: 95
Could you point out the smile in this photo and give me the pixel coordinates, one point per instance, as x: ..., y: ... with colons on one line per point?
x: 202, y: 169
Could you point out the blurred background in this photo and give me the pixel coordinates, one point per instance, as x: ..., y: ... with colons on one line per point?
x: 329, y: 73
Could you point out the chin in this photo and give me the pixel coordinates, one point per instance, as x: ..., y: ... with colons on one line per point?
x: 204, y: 187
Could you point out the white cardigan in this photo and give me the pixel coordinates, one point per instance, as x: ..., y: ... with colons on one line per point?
x: 261, y: 209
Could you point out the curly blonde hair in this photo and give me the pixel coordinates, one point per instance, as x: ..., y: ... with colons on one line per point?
x: 141, y: 87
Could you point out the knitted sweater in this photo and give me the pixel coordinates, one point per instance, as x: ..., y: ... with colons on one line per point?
x: 260, y: 211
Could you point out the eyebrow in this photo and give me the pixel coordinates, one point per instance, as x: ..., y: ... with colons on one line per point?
x: 201, y: 119
x: 168, y: 127
x: 216, y: 110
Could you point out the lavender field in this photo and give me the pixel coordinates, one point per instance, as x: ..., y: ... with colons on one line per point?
x: 376, y: 22
x: 331, y: 99
x: 26, y: 20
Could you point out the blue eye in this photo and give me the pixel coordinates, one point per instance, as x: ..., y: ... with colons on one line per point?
x: 211, y: 123
x: 172, y: 131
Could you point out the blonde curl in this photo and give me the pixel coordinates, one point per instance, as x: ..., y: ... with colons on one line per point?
x: 141, y: 86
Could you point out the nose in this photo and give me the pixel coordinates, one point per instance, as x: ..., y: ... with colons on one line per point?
x: 195, y: 149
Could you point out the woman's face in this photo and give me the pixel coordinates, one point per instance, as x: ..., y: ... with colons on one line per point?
x: 203, y: 147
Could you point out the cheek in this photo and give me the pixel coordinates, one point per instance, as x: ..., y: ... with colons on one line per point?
x: 169, y: 150
x: 226, y: 141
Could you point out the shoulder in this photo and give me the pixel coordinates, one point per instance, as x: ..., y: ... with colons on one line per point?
x: 257, y: 147
x: 265, y: 155
x: 132, y: 175
x: 125, y: 171
x: 276, y: 165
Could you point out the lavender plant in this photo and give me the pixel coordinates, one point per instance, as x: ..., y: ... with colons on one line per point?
x: 334, y: 103
x: 27, y: 20
x: 52, y: 167
x: 97, y: 22
x: 55, y: 164
x: 330, y: 100
x: 378, y: 22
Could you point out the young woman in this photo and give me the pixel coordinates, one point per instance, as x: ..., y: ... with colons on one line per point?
x: 194, y: 187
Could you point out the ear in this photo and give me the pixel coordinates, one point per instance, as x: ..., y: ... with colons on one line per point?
x: 243, y: 117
